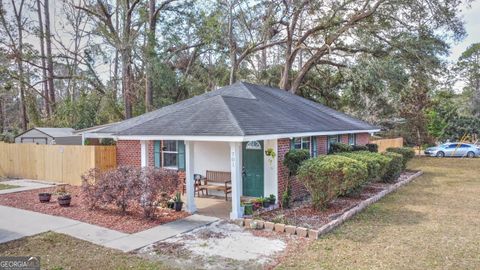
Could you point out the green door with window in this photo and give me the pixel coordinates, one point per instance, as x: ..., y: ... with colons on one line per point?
x: 252, y: 157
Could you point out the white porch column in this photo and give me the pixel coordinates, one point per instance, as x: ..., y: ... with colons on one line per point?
x: 144, y: 153
x: 236, y: 170
x: 190, y: 182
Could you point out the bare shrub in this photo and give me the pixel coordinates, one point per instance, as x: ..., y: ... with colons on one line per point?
x: 154, y: 185
x: 126, y: 185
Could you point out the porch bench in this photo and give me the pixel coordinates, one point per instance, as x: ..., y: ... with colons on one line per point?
x: 216, y: 180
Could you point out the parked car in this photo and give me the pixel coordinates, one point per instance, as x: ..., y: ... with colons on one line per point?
x: 455, y: 149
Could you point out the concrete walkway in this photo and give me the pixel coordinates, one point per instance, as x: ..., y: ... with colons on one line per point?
x: 17, y: 223
x: 23, y: 185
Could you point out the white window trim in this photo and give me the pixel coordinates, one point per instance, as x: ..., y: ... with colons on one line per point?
x: 301, y: 143
x: 169, y: 152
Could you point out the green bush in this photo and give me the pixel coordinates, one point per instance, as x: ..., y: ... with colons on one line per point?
x: 372, y: 147
x: 394, y: 167
x: 327, y: 177
x: 340, y: 147
x: 407, y: 153
x: 294, y: 158
x: 359, y: 148
x: 376, y: 163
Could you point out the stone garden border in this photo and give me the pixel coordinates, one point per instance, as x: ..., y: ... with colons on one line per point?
x: 315, y: 234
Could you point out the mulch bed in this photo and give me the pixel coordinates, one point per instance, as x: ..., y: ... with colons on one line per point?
x: 131, y: 222
x: 303, y: 214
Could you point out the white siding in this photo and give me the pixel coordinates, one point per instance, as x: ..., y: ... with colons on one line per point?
x: 213, y: 156
x: 33, y: 136
x: 270, y: 168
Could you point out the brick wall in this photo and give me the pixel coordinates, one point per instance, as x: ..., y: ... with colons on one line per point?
x: 363, y: 138
x: 128, y: 153
x: 322, y: 145
x: 344, y: 138
x: 298, y: 189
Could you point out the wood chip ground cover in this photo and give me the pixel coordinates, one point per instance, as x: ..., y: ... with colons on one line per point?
x: 304, y: 215
x: 111, y: 218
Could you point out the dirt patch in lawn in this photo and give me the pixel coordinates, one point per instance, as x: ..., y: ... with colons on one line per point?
x: 59, y: 251
x: 303, y: 214
x: 224, y: 245
x: 131, y: 222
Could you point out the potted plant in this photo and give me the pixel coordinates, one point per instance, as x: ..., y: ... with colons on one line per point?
x: 44, y: 197
x: 171, y: 204
x: 64, y: 199
x: 178, y: 204
x: 273, y: 199
x: 257, y: 204
x: 248, y: 206
x: 265, y: 202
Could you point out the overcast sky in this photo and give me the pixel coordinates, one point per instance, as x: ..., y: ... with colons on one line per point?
x: 471, y: 17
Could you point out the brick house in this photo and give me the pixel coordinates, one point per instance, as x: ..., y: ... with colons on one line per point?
x: 229, y: 130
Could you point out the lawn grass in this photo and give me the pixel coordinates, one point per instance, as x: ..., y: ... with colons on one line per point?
x: 59, y: 251
x: 5, y: 186
x: 432, y: 223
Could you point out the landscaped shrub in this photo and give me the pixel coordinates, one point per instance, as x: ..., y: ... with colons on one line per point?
x: 394, y: 167
x: 90, y: 190
x: 340, y: 147
x: 359, y: 148
x: 120, y: 187
x: 407, y: 153
x: 154, y: 183
x: 376, y: 163
x: 327, y: 177
x: 292, y: 160
x: 372, y: 147
x: 127, y: 185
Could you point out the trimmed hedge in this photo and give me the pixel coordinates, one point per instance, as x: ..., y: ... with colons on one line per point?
x: 372, y: 147
x: 340, y: 147
x: 328, y: 177
x: 294, y: 158
x: 394, y: 167
x: 359, y: 148
x: 407, y: 153
x: 376, y: 163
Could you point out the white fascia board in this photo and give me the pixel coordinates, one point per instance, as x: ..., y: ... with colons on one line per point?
x: 240, y: 138
x: 98, y: 135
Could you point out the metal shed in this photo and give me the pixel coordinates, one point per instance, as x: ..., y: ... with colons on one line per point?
x: 41, y: 135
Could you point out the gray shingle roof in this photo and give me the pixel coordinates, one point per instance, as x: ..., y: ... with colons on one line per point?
x: 240, y: 109
x: 56, y: 132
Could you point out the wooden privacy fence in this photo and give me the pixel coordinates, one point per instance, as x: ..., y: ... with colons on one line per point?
x: 54, y: 163
x: 383, y: 144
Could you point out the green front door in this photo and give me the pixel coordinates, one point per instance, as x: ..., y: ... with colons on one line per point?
x: 252, y: 156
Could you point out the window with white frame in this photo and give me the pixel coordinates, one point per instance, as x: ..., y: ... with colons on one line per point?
x: 302, y: 143
x: 352, y: 139
x: 169, y: 154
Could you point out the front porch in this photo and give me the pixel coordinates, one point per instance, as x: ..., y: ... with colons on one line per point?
x: 251, y: 173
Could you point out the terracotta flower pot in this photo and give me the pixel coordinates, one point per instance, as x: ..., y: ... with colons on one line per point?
x: 44, y: 197
x: 64, y: 200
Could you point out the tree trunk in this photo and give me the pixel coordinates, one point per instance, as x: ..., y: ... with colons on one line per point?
x: 42, y: 54
x: 150, y: 51
x: 18, y: 59
x: 126, y: 82
x: 2, y: 116
x: 48, y: 40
